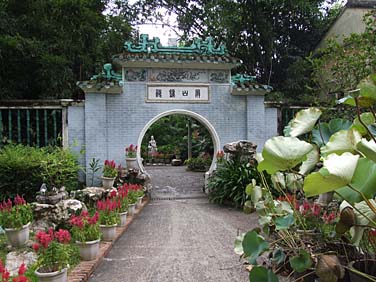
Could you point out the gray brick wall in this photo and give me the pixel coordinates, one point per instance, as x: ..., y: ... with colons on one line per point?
x: 113, y: 121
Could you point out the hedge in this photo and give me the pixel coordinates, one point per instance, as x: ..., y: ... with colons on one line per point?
x: 23, y: 169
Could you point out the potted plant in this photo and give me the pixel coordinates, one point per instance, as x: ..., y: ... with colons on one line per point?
x: 109, y: 174
x: 132, y: 198
x: 85, y: 230
x: 131, y: 156
x: 15, y: 219
x: 54, y: 253
x: 140, y: 194
x: 122, y: 198
x: 108, y: 218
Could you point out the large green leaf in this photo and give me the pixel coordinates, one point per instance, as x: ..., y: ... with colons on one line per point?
x: 284, y: 222
x: 363, y: 215
x: 301, y: 262
x: 367, y: 148
x: 283, y: 153
x: 362, y: 101
x: 303, y: 122
x: 336, y: 173
x: 364, y: 180
x: 261, y: 274
x: 368, y: 88
x: 342, y: 141
x: 367, y: 118
x: 238, y: 249
x: 309, y: 164
x: 254, y: 245
x: 279, y: 256
x: 254, y: 191
x: 322, y: 132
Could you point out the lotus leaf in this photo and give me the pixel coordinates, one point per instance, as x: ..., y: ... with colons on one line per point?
x: 283, y: 153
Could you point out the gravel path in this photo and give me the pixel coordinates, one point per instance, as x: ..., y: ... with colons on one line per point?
x: 186, y: 239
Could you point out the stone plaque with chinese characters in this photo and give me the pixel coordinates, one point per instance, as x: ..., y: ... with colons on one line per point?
x: 181, y: 93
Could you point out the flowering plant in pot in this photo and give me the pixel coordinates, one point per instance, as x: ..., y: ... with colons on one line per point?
x: 108, y: 217
x: 85, y: 230
x: 135, y: 193
x: 15, y: 218
x: 109, y: 174
x: 5, y: 274
x: 130, y: 156
x: 122, y: 198
x: 54, y: 254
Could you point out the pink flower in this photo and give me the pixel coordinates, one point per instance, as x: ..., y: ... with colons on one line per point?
x: 329, y: 218
x: 94, y: 219
x: 113, y: 194
x: 44, y: 238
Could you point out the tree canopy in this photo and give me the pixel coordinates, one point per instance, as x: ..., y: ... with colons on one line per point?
x: 46, y: 46
x: 268, y: 36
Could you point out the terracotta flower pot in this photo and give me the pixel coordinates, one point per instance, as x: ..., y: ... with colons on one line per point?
x: 131, y: 209
x: 123, y: 218
x: 108, y: 182
x: 108, y: 232
x: 89, y: 250
x: 18, y: 237
x: 56, y: 276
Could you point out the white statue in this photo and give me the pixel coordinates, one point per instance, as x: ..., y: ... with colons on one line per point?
x: 152, y: 145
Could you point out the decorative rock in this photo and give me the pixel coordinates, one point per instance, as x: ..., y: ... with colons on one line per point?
x: 46, y: 215
x: 90, y: 193
x: 42, y: 225
x: 176, y: 162
x: 51, y: 199
x: 15, y: 259
x: 241, y: 147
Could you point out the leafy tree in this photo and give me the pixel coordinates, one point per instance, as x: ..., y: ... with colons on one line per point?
x: 338, y: 68
x: 269, y: 36
x: 46, y: 46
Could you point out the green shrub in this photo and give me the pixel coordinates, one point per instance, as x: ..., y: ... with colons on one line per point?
x: 23, y: 169
x: 229, y: 181
x: 199, y: 163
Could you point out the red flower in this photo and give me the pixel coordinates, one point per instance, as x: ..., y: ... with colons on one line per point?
x: 63, y: 236
x: 36, y: 247
x: 22, y: 269
x: 44, y: 238
x: 5, y: 275
x: 113, y: 194
x: 329, y: 218
x: 94, y: 219
x: 316, y: 209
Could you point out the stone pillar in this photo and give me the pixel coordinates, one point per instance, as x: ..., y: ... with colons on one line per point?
x: 256, y: 120
x: 96, y: 137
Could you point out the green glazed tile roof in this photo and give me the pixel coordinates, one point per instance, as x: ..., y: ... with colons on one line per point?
x: 199, y: 52
x: 248, y: 83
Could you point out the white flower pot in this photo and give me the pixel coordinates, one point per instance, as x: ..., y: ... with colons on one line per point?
x: 131, y: 162
x: 108, y: 232
x: 18, y: 237
x: 131, y: 209
x: 108, y: 182
x: 57, y: 276
x: 123, y: 218
x: 139, y: 202
x: 89, y: 250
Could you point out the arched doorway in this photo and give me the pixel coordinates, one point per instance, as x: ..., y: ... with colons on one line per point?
x: 198, y: 117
